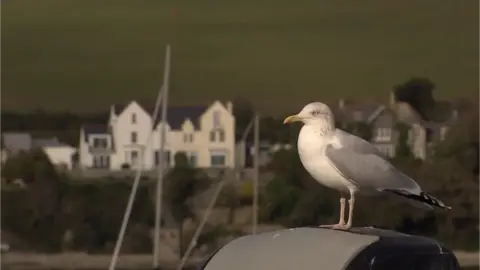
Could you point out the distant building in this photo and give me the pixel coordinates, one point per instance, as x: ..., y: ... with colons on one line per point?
x: 59, y: 154
x: 205, y: 133
x: 14, y: 143
x: 422, y: 135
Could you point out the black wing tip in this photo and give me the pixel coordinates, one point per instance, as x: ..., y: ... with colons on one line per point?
x: 422, y: 197
x: 435, y: 202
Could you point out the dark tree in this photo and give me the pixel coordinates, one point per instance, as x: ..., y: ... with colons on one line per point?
x: 243, y: 111
x: 418, y: 92
x: 271, y: 129
x: 41, y: 201
x: 230, y: 198
x: 274, y: 131
x: 63, y: 125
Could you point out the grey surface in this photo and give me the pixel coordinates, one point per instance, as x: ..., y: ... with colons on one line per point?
x: 300, y: 248
x: 316, y: 248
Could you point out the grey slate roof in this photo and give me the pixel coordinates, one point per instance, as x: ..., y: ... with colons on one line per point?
x: 385, y: 118
x: 360, y: 112
x: 37, y: 143
x: 17, y: 141
x: 95, y: 129
x: 90, y: 129
x: 176, y: 115
x: 355, y: 112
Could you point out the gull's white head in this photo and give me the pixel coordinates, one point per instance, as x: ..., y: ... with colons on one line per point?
x: 315, y: 113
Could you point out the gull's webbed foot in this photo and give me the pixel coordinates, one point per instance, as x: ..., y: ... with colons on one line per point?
x: 331, y: 226
x: 341, y: 227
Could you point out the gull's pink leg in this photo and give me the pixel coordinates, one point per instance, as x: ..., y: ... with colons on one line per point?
x: 351, y: 204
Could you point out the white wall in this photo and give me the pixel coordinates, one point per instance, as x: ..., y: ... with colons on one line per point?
x: 157, y: 137
x: 4, y: 156
x: 186, y: 140
x: 227, y: 123
x: 60, y: 155
x: 122, y: 129
x: 84, y: 157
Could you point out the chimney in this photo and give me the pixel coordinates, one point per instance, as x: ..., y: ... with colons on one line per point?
x: 113, y: 115
x: 230, y: 106
x: 455, y: 114
x: 341, y: 103
x: 393, y: 99
x: 112, y: 110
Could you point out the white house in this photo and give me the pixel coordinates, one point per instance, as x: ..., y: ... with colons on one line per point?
x: 60, y: 155
x: 205, y: 133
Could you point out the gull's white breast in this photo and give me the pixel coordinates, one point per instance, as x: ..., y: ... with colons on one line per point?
x: 311, y: 149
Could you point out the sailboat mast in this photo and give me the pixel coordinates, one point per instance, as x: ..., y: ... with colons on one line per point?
x: 161, y: 161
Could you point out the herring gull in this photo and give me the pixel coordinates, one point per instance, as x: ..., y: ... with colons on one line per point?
x: 349, y: 164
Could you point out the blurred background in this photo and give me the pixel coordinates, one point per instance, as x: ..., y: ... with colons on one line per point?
x: 79, y: 84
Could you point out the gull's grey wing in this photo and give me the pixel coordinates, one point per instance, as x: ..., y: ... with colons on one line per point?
x: 369, y: 170
x: 356, y: 144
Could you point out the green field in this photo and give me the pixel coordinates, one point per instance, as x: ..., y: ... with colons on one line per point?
x: 83, y: 55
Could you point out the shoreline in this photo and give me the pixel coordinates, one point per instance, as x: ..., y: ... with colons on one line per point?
x: 468, y: 258
x: 80, y: 260
x: 84, y: 261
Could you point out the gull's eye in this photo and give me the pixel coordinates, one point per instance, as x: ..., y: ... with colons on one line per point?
x: 315, y: 113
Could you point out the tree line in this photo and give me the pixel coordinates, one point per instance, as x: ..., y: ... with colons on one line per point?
x: 40, y: 123
x: 417, y: 91
x: 54, y: 213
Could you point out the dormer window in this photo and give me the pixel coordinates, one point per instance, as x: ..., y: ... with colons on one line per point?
x: 221, y: 135
x: 134, y: 118
x: 188, y: 137
x: 100, y: 143
x: 213, y: 135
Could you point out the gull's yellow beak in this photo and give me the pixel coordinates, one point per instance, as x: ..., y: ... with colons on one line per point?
x: 292, y: 118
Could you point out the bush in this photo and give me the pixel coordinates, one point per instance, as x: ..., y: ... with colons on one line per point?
x: 93, y: 212
x: 246, y: 189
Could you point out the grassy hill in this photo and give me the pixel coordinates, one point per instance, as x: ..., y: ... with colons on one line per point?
x: 83, y: 55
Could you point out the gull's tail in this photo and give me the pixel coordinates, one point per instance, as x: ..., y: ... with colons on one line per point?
x: 422, y: 200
